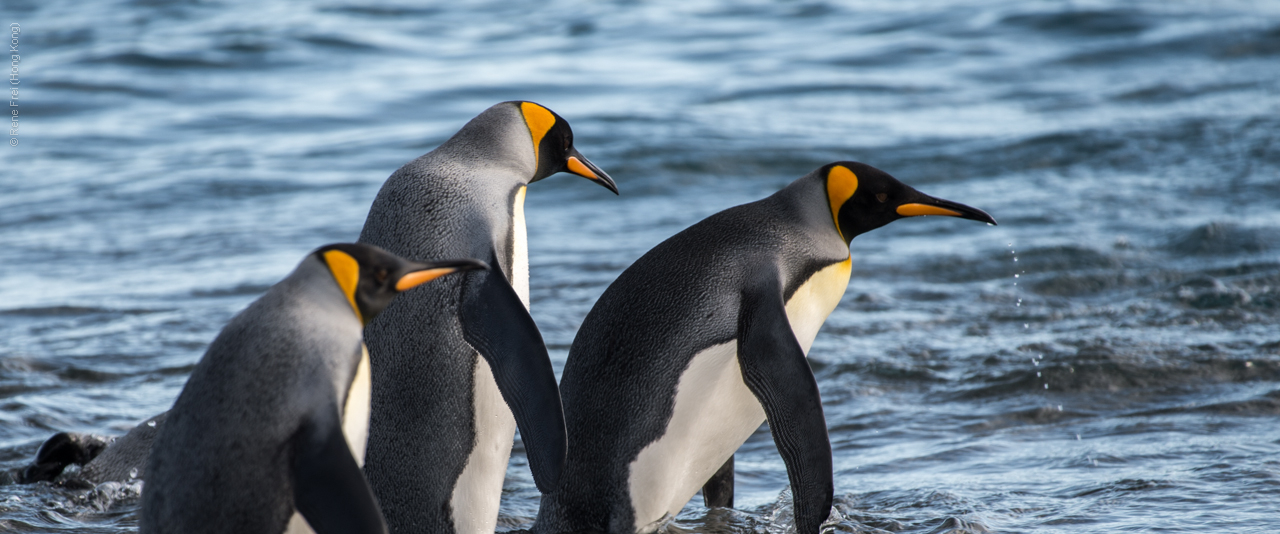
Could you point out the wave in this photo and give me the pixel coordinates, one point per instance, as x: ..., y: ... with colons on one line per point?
x: 1102, y: 368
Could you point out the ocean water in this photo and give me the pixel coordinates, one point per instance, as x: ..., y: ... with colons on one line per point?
x: 1105, y: 360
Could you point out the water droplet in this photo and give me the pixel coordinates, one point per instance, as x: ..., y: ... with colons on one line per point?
x: 1015, y: 258
x: 1025, y: 325
x: 151, y: 424
x: 1015, y: 276
x: 1077, y: 437
x: 1046, y: 386
x: 1035, y: 363
x: 133, y: 473
x: 1248, y: 364
x: 1037, y: 373
x: 1059, y: 407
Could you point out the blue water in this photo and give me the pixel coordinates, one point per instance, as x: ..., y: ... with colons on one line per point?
x: 1107, y: 359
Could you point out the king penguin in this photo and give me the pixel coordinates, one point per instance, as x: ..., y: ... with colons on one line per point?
x: 704, y: 338
x: 458, y: 365
x: 268, y: 434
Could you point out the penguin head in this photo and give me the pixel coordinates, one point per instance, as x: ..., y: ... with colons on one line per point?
x: 553, y: 146
x: 370, y: 277
x: 863, y: 198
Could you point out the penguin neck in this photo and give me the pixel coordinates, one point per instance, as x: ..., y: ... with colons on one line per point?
x: 327, y: 310
x: 480, y: 166
x: 496, y: 140
x: 315, y: 289
x: 804, y: 204
x: 822, y: 276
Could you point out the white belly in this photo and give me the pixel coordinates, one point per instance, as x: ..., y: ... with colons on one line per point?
x: 479, y: 488
x: 715, y: 412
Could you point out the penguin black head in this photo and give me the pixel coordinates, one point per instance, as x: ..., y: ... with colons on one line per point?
x: 863, y: 198
x: 553, y: 146
x: 370, y: 277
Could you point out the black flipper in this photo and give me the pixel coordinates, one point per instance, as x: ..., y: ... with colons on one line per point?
x: 59, y: 451
x: 718, y: 491
x: 498, y: 326
x: 776, y: 371
x: 329, y: 489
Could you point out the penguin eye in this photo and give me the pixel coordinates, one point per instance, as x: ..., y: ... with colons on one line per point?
x: 380, y: 275
x: 882, y: 197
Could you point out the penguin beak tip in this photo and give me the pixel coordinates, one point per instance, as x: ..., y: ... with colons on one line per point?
x: 604, y: 180
x: 581, y: 166
x: 981, y: 216
x: 612, y: 187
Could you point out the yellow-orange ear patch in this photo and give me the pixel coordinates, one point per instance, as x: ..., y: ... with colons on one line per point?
x: 346, y: 270
x: 841, y: 185
x: 540, y: 121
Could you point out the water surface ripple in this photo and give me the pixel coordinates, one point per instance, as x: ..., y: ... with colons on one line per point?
x: 1107, y: 359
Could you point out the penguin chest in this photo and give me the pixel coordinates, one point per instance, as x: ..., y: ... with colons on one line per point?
x: 814, y: 301
x: 355, y: 412
x: 519, y: 249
